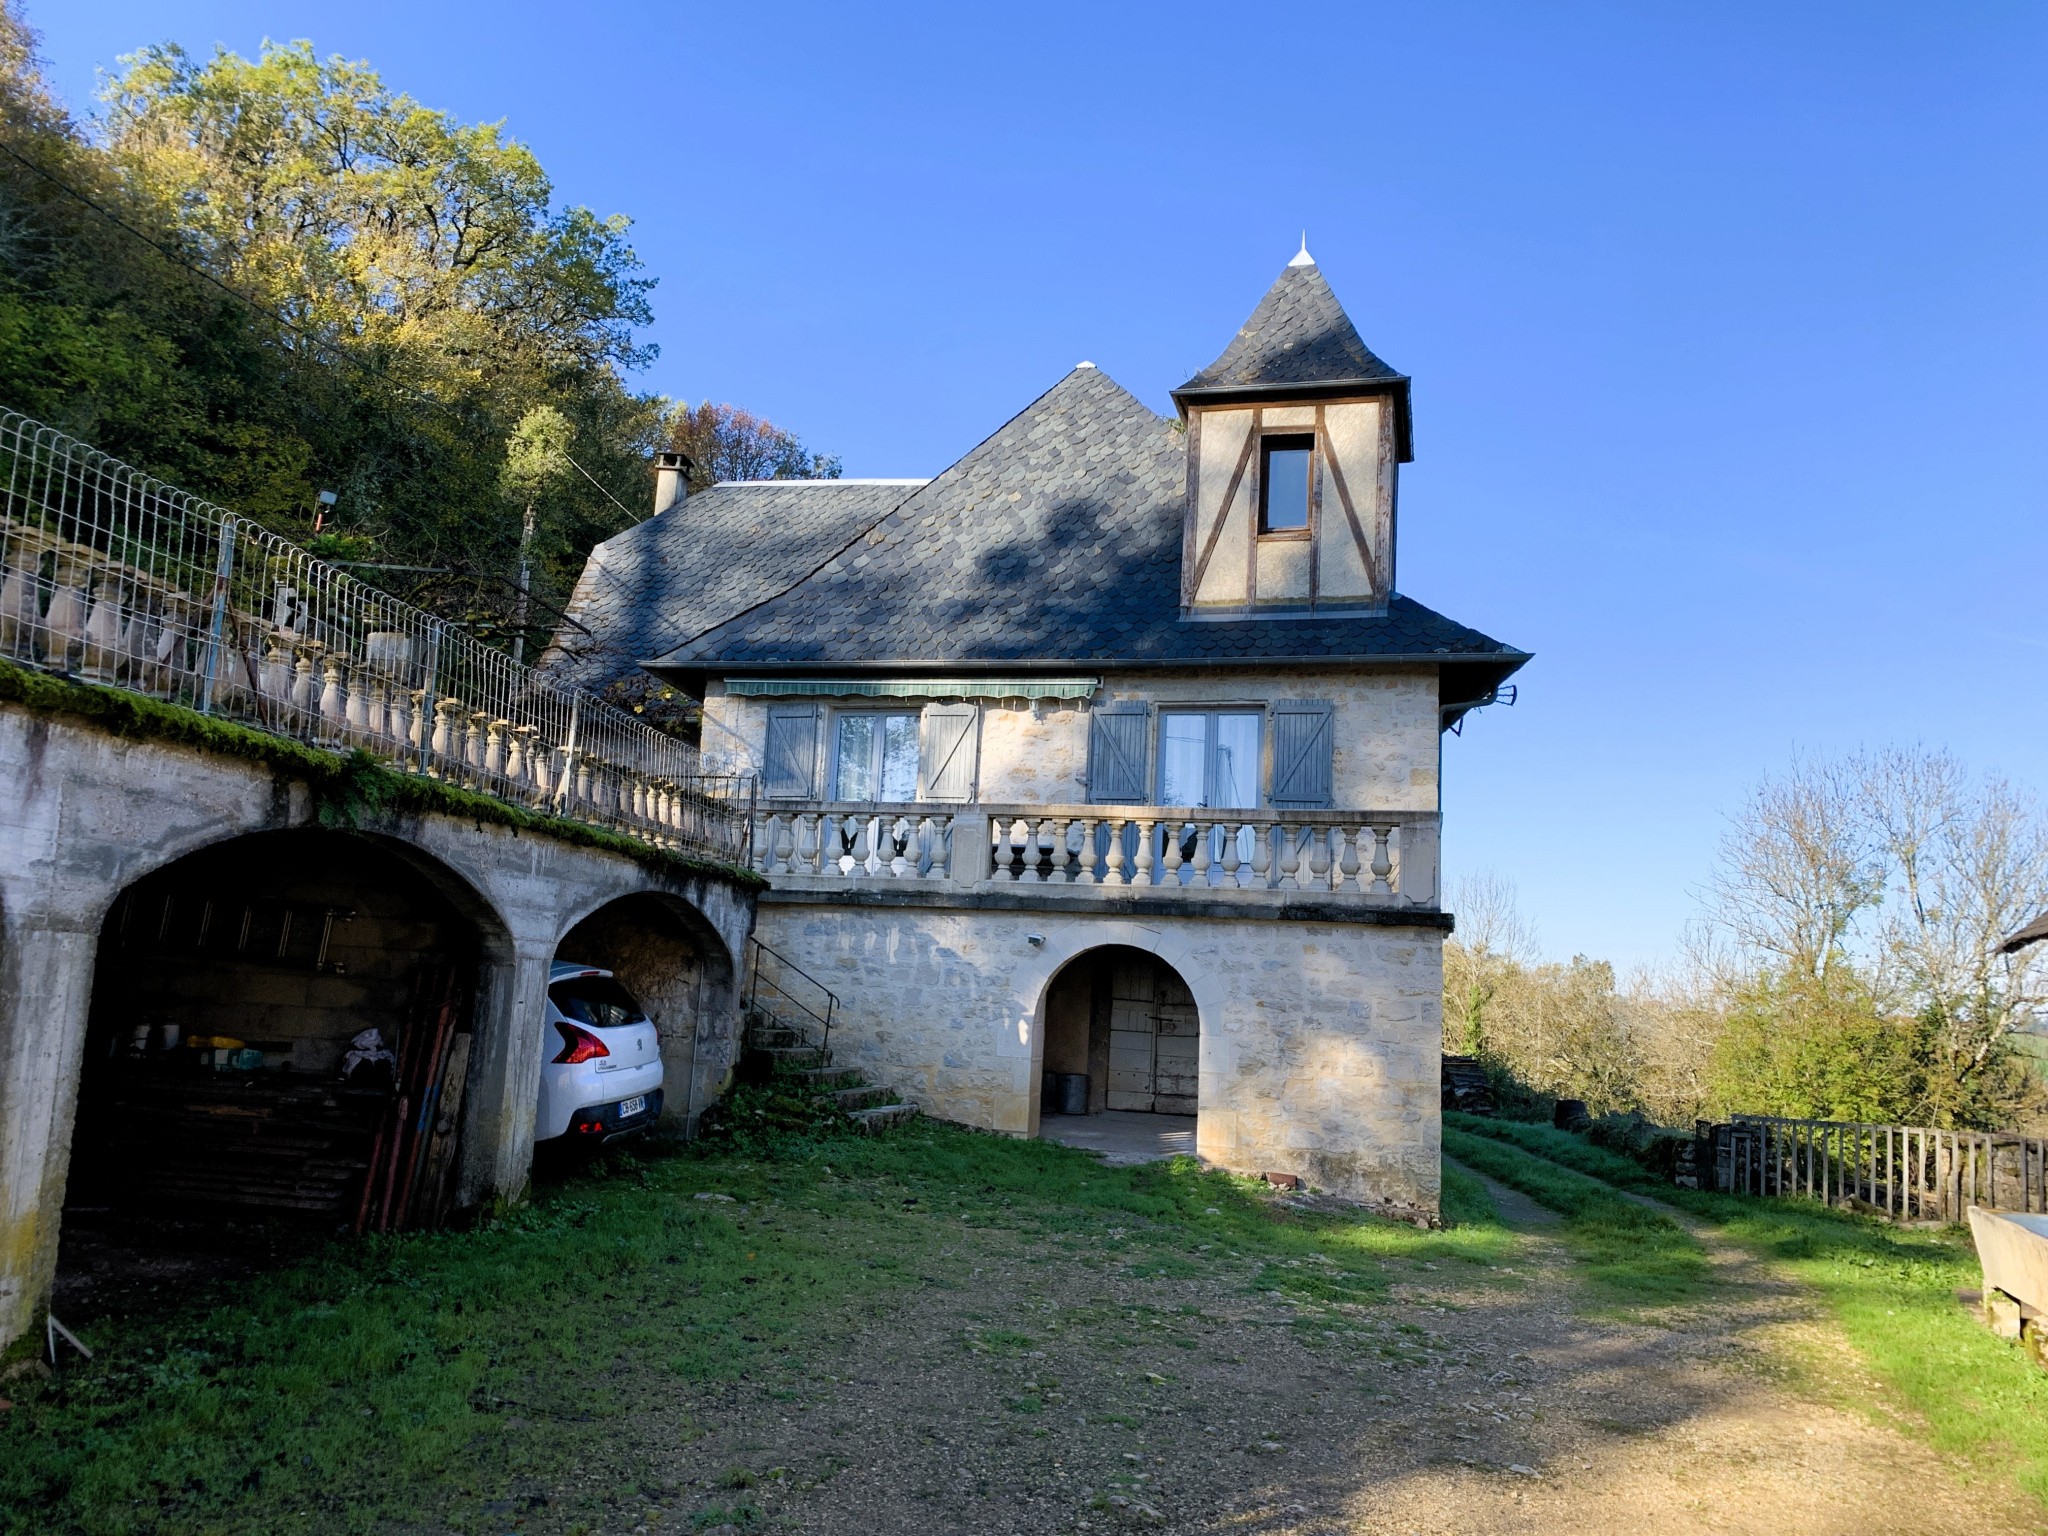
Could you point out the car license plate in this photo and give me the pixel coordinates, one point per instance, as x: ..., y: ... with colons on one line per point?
x: 632, y: 1106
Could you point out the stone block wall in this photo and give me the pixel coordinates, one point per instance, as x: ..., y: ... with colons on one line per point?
x: 1319, y: 1040
x: 1386, y: 731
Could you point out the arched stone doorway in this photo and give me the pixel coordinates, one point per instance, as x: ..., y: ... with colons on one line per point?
x: 1122, y: 1054
x: 664, y: 952
x: 229, y: 989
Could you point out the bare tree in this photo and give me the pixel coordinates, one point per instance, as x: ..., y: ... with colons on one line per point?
x: 1798, y: 868
x: 1967, y: 864
x: 1493, y: 942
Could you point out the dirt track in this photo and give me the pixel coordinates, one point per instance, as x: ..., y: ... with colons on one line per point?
x: 1026, y: 1389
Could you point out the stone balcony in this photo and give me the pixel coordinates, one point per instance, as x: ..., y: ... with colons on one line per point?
x: 1158, y: 858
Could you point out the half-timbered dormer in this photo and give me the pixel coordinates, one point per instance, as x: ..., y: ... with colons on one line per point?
x: 1294, y: 438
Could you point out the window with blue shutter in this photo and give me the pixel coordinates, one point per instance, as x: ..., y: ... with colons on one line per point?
x: 789, y: 760
x: 951, y: 750
x: 1116, y: 754
x: 1304, y: 734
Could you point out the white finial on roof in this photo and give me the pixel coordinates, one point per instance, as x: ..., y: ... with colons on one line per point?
x: 1084, y: 363
x: 1302, y: 258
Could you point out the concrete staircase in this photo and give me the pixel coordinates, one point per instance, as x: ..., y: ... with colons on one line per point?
x: 801, y: 1068
x: 788, y: 1037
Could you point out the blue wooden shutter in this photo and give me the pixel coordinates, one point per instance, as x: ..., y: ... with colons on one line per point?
x: 951, y: 750
x: 1116, y: 755
x: 1303, y: 746
x: 789, y: 762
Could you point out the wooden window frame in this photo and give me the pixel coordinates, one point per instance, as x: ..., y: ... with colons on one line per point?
x: 1293, y: 438
x: 834, y: 716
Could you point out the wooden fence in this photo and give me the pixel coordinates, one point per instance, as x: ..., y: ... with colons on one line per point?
x: 1909, y: 1172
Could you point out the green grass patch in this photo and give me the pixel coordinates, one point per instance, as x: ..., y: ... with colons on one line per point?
x: 1632, y: 1257
x: 435, y: 1380
x: 1893, y: 1291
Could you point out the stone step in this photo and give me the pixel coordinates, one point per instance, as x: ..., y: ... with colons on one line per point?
x: 882, y: 1116
x: 825, y: 1079
x: 859, y: 1096
x: 769, y: 1039
x: 786, y: 1058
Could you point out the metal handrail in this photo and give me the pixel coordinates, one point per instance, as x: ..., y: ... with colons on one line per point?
x: 112, y: 576
x: 757, y: 951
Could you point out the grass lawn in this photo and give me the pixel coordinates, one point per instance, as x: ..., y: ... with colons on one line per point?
x: 1892, y: 1290
x: 1632, y: 1257
x: 410, y: 1381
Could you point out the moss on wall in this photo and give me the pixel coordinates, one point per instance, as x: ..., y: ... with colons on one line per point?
x: 346, y: 787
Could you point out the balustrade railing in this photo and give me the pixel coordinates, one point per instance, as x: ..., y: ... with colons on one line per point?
x: 112, y: 576
x: 1373, y: 857
x: 1908, y: 1172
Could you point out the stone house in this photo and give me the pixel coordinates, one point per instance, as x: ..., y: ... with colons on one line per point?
x: 1112, y: 751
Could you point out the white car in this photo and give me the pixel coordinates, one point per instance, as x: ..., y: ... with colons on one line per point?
x: 602, y: 1075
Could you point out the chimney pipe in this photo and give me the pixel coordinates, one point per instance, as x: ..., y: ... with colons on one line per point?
x: 671, y: 480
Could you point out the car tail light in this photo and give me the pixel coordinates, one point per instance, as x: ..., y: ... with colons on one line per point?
x: 578, y: 1044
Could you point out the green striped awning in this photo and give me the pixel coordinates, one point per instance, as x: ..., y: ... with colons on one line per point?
x: 913, y: 687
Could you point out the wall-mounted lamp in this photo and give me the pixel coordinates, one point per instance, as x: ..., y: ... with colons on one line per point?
x: 326, y: 501
x: 1035, y: 940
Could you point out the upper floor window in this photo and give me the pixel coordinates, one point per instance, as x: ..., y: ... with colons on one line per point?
x: 874, y: 756
x: 1285, y: 470
x: 1210, y: 758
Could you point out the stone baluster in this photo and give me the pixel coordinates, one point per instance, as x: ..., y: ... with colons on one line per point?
x: 1262, y: 858
x: 807, y: 842
x: 515, y: 757
x: 1172, y: 834
x: 1086, y: 857
x: 441, y: 749
x: 473, y: 740
x: 1029, y: 835
x: 20, y: 597
x: 387, y: 720
x: 1290, y: 856
x: 1205, y: 833
x: 1382, y: 866
x: 274, y: 677
x: 1113, y: 862
x: 1347, y: 866
x: 862, y: 846
x: 494, y: 748
x: 1233, y: 857
x: 831, y: 845
x: 64, y: 622
x: 138, y: 639
x: 355, y: 711
x: 333, y: 706
x: 1319, y: 857
x: 942, y: 847
x: 102, y: 637
x: 303, y: 687
x: 583, y: 780
x: 1062, y: 872
x: 783, y: 845
x: 1142, y: 875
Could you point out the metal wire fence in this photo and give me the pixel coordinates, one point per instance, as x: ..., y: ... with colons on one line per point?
x: 114, y: 577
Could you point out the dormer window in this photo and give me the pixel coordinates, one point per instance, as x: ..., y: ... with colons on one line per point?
x: 1285, y: 468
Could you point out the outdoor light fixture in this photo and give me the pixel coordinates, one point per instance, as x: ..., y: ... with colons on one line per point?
x: 326, y: 501
x: 1035, y: 940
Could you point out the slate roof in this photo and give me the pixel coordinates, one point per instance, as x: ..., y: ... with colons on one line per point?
x: 721, y: 552
x: 1055, y: 542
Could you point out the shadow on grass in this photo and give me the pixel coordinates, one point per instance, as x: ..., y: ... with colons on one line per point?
x: 446, y: 1377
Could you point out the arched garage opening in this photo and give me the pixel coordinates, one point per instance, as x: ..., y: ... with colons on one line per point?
x: 664, y: 953
x: 1122, y: 1054
x: 262, y: 1010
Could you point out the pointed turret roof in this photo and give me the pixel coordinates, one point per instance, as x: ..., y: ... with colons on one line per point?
x: 1298, y: 344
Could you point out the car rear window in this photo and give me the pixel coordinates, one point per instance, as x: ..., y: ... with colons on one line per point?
x: 595, y: 1000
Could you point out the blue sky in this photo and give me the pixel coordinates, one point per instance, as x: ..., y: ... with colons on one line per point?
x: 1728, y: 322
